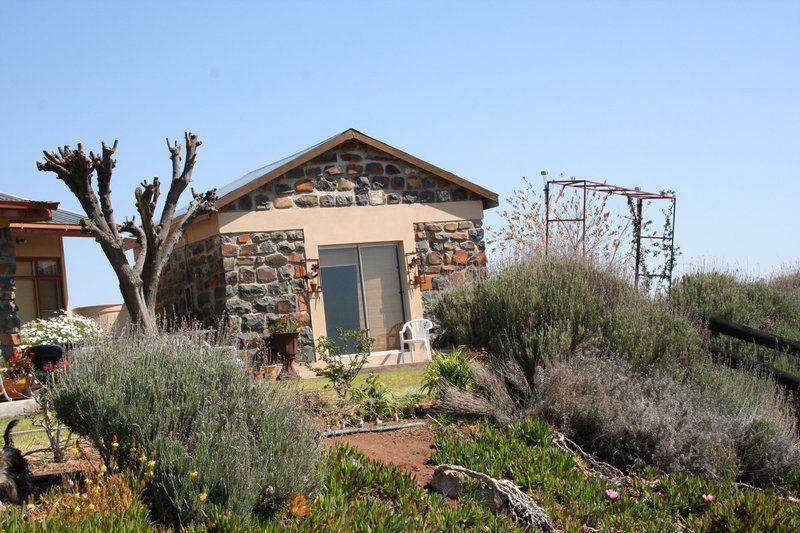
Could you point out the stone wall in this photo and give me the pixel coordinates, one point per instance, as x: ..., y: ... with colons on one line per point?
x: 192, y: 283
x: 450, y: 252
x: 351, y: 174
x: 247, y: 279
x: 264, y: 279
x: 9, y: 321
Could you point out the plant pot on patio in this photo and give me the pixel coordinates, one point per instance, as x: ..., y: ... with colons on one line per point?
x: 16, y: 387
x: 283, y: 334
x: 284, y: 345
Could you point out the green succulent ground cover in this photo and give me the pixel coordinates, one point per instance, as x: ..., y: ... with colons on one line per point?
x: 653, y: 501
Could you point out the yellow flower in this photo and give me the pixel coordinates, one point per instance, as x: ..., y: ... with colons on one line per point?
x: 91, y: 507
x: 103, y: 469
x: 77, y: 509
x: 142, y: 458
x: 193, y: 474
x: 202, y: 496
x: 31, y: 507
x: 75, y: 450
x: 96, y: 491
x: 89, y: 481
x: 151, y: 463
x: 115, y: 444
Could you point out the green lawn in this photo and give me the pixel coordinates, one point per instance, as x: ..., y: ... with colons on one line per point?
x: 32, y: 441
x: 397, y: 381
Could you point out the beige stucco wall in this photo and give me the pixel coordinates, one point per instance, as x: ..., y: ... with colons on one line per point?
x: 43, y: 246
x: 38, y: 246
x: 349, y: 225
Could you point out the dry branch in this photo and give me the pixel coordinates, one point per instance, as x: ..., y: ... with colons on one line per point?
x: 523, y: 509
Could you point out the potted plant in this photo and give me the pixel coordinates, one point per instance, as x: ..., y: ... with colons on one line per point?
x: 283, y: 333
x: 17, y: 374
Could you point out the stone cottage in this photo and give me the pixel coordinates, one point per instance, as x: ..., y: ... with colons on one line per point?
x: 349, y: 233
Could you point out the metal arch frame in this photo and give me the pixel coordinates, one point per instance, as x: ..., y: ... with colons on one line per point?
x: 607, y: 188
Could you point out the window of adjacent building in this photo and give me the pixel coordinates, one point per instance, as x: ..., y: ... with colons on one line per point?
x: 39, y: 288
x: 362, y: 289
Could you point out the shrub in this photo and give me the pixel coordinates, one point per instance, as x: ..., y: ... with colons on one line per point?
x: 535, y: 309
x: 191, y: 413
x: 771, y: 306
x: 445, y: 368
x: 342, y: 371
x: 629, y: 417
x: 59, y: 329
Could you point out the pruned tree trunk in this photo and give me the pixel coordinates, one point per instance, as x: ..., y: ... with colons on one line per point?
x: 155, y: 237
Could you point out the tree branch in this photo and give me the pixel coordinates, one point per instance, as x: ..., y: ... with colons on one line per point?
x: 129, y: 226
x: 180, y: 178
x: 103, y: 165
x: 200, y: 204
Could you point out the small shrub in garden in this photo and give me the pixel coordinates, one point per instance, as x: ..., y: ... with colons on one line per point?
x: 450, y: 368
x: 60, y: 329
x: 207, y: 432
x: 341, y: 371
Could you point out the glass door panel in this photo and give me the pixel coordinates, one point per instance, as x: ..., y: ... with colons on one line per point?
x: 383, y: 296
x: 341, y: 283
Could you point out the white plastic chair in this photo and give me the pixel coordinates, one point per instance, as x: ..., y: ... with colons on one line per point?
x: 420, y: 332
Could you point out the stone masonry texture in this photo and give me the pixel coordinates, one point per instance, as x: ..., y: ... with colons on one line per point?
x: 351, y: 174
x: 450, y: 252
x: 248, y: 279
x: 9, y: 321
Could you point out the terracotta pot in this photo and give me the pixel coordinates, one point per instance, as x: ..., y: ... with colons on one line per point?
x: 15, y: 388
x: 285, y: 345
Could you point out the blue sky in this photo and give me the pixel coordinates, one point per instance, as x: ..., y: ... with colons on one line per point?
x: 700, y: 97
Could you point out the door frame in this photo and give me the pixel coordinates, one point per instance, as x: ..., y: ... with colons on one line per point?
x: 405, y: 304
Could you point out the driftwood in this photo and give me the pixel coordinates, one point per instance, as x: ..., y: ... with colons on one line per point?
x: 523, y: 509
x: 604, y: 470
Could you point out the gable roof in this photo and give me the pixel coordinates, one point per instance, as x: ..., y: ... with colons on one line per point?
x: 58, y: 216
x: 256, y: 178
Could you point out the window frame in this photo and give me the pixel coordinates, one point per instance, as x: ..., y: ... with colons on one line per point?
x: 60, y: 278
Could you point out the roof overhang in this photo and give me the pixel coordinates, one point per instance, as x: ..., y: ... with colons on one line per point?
x: 12, y: 211
x: 48, y: 228
x: 490, y: 199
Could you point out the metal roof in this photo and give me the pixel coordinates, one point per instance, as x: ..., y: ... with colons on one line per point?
x: 60, y: 216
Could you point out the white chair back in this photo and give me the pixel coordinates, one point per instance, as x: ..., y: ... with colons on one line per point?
x: 416, y: 331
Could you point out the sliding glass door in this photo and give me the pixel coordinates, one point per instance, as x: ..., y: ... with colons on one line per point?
x: 362, y: 289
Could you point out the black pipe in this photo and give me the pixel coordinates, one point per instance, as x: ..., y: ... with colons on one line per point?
x: 748, y: 334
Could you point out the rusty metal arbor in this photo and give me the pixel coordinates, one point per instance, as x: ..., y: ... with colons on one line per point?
x: 636, y: 196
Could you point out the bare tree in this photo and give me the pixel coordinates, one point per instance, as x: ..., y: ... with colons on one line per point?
x: 155, y: 237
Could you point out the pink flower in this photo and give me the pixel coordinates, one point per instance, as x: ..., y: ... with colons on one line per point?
x: 794, y: 500
x: 612, y: 494
x: 61, y: 364
x: 48, y: 367
x: 708, y: 497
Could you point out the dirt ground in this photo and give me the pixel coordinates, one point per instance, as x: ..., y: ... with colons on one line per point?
x: 409, y: 448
